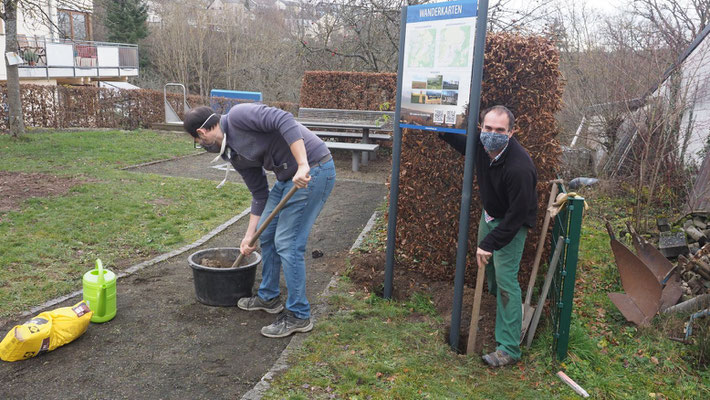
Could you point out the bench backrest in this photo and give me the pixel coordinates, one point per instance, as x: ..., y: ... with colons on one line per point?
x: 386, y: 118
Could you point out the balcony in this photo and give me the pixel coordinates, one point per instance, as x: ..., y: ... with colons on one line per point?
x: 56, y: 59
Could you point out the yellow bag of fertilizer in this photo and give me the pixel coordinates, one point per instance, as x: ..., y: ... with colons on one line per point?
x: 45, y: 332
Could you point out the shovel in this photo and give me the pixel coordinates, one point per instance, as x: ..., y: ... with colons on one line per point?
x: 528, y: 310
x: 268, y: 219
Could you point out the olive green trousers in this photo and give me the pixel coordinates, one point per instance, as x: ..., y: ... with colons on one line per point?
x: 502, y: 277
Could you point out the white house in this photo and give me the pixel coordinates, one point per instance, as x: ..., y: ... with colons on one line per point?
x: 695, y: 125
x: 62, y: 52
x: 238, y: 8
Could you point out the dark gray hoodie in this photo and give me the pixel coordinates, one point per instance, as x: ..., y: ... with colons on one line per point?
x: 258, y: 139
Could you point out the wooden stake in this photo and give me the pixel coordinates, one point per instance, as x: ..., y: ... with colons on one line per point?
x: 473, y: 329
x: 566, y: 379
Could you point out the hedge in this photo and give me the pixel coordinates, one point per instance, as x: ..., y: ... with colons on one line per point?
x: 520, y: 72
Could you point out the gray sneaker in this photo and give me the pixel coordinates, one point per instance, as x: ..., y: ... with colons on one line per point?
x: 286, y: 324
x: 255, y: 303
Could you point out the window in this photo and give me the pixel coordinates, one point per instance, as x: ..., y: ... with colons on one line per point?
x: 74, y: 25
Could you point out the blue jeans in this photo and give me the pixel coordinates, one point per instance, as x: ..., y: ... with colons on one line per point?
x: 283, y: 242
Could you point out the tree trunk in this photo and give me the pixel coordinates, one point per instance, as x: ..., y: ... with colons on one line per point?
x: 15, y: 118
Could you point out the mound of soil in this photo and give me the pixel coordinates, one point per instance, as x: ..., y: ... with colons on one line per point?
x: 15, y: 187
x: 368, y: 273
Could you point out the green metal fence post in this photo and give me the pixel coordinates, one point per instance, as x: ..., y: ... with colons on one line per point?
x: 575, y: 208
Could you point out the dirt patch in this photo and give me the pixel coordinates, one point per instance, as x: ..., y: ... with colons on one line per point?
x: 15, y: 187
x: 368, y: 273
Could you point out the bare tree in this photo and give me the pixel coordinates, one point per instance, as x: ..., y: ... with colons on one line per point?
x: 206, y: 49
x: 529, y: 16
x: 364, y: 34
x: 609, y: 63
x: 15, y: 116
x: 351, y: 34
x: 677, y: 22
x: 37, y: 10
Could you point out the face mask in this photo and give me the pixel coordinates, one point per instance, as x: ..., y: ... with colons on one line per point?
x: 212, y: 148
x: 493, y: 141
x: 216, y: 147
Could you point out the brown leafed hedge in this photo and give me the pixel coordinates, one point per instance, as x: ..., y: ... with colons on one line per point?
x: 520, y: 72
x: 348, y: 90
x: 90, y: 107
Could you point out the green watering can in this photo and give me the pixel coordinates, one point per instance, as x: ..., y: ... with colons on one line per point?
x: 99, y: 287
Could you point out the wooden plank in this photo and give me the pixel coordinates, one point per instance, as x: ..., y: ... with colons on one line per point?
x: 337, y: 124
x: 332, y: 113
x: 352, y: 146
x: 351, y: 135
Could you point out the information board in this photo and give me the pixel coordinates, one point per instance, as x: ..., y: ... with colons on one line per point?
x: 438, y: 60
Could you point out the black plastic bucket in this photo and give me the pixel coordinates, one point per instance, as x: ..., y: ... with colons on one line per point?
x: 223, y: 286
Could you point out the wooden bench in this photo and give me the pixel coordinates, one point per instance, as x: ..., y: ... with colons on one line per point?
x: 349, y: 120
x: 351, y: 135
x: 355, y: 148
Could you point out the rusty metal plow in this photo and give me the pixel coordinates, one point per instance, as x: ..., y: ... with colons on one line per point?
x: 650, y: 283
x: 661, y: 268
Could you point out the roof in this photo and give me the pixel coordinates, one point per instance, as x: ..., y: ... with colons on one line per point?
x: 688, y: 51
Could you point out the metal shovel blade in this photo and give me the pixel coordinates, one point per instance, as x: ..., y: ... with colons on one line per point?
x: 654, y: 260
x: 629, y: 309
x: 642, y: 299
x: 659, y: 265
x: 671, y: 292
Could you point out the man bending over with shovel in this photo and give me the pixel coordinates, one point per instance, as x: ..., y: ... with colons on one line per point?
x: 506, y: 182
x: 253, y: 138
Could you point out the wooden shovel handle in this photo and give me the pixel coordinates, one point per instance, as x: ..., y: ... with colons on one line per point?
x: 541, y: 241
x: 473, y: 329
x: 268, y: 219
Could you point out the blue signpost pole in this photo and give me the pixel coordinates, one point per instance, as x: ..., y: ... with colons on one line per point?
x: 471, y: 143
x: 396, y: 158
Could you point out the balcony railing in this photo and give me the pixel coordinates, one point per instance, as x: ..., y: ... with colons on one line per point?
x: 66, y: 58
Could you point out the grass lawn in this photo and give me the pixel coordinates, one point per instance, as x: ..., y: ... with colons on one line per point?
x: 122, y: 217
x: 369, y: 348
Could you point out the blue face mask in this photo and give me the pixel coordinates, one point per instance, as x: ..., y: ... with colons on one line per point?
x: 493, y: 141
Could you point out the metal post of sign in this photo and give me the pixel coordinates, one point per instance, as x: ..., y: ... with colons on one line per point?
x: 396, y: 158
x: 471, y: 143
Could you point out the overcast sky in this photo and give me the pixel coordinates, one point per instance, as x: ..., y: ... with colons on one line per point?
x: 606, y: 6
